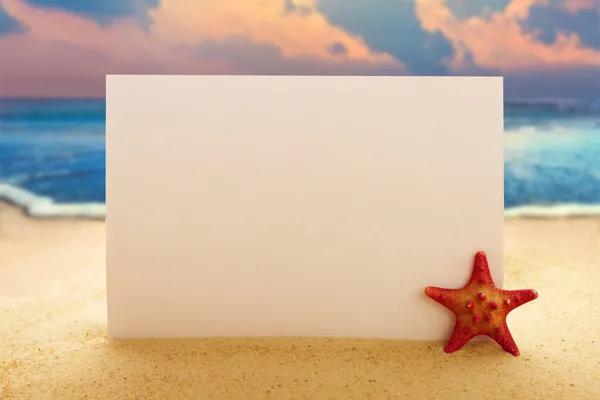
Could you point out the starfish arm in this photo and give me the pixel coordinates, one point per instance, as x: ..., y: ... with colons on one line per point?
x: 460, y: 336
x: 446, y: 297
x: 503, y: 337
x: 481, y: 271
x: 516, y: 298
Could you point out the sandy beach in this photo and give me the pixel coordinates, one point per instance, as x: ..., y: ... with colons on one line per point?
x: 53, y: 336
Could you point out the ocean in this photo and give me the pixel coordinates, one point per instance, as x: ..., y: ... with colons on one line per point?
x: 55, y: 149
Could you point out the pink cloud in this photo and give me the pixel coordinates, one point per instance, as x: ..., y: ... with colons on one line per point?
x: 300, y: 34
x: 36, y: 67
x: 58, y: 47
x: 577, y: 5
x: 500, y: 43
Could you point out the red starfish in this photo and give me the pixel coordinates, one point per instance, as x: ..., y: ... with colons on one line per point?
x: 481, y: 308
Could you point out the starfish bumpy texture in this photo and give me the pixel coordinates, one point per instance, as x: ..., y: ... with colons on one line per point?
x: 481, y: 308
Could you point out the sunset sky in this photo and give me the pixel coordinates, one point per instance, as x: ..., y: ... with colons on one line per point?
x: 64, y: 48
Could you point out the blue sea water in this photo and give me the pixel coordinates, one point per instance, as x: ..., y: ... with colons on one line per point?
x: 56, y: 148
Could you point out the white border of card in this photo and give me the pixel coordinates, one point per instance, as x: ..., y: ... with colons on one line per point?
x: 316, y: 206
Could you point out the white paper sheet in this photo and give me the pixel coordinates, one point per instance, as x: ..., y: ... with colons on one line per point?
x: 298, y: 205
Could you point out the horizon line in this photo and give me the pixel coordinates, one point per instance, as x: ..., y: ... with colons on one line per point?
x: 505, y: 100
x: 52, y: 98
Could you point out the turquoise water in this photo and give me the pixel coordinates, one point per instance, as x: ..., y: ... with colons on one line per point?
x: 56, y: 148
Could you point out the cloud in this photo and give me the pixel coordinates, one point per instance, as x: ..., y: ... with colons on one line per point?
x: 268, y: 59
x: 500, y: 43
x: 36, y: 69
x: 62, y: 47
x: 576, y: 5
x: 392, y: 27
x: 56, y: 43
x: 548, y: 22
x: 298, y: 29
x: 7, y: 23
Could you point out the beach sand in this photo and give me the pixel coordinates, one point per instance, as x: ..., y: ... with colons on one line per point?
x: 53, y: 332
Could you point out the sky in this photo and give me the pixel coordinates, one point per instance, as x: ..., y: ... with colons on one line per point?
x: 64, y: 48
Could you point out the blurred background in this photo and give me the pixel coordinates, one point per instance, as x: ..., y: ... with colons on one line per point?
x: 54, y: 55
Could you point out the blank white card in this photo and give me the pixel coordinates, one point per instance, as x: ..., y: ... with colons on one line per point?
x: 298, y: 205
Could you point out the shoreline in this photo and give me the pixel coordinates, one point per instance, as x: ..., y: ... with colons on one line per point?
x: 40, y: 207
x: 35, y: 206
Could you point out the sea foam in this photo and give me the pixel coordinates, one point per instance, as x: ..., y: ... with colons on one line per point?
x: 44, y: 207
x: 553, y: 211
